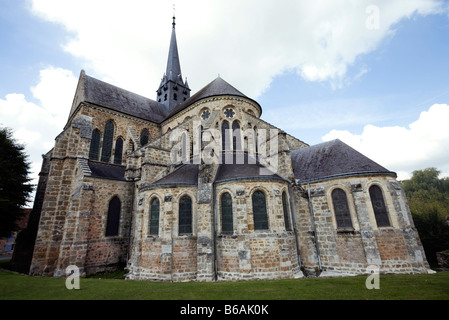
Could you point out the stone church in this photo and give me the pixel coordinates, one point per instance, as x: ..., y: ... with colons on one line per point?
x: 197, y: 187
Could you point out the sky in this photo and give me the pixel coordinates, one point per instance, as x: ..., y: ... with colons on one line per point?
x: 371, y: 73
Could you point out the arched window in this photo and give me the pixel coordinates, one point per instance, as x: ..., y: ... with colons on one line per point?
x: 236, y: 137
x: 94, y: 151
x: 341, y: 209
x: 113, y: 219
x: 199, y: 141
x: 225, y: 141
x: 260, y: 211
x: 107, y: 141
x: 185, y: 155
x: 226, y: 213
x: 154, y: 217
x: 144, y: 136
x: 118, y: 151
x: 285, y: 209
x: 256, y: 140
x: 380, y: 210
x: 185, y: 215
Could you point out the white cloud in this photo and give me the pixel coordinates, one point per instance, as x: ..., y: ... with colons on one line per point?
x: 424, y: 143
x: 37, y: 125
x: 55, y: 91
x: 247, y: 42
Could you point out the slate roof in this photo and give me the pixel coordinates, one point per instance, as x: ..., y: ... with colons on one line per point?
x: 218, y: 87
x: 249, y: 170
x: 107, y: 171
x: 186, y: 174
x: 332, y: 159
x: 109, y: 96
x: 117, y: 99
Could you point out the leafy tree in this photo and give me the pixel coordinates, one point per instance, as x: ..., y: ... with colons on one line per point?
x: 14, y: 182
x: 428, y: 198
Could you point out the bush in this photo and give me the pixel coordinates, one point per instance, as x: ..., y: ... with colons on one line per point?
x: 433, y: 231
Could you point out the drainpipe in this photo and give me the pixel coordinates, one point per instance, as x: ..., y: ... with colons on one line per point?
x: 295, y: 232
x: 215, y: 232
x: 314, y: 226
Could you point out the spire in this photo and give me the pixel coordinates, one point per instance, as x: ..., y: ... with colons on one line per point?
x: 173, y: 64
x: 173, y: 91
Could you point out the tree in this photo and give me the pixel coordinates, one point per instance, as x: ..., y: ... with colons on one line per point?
x: 14, y: 182
x: 428, y: 197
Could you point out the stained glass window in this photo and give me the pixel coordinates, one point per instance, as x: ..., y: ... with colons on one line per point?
x: 94, y: 145
x: 185, y: 215
x: 380, y: 210
x: 118, y: 151
x: 225, y: 136
x: 285, y: 209
x: 113, y: 219
x: 107, y: 141
x: 144, y: 135
x: 226, y: 213
x: 260, y: 211
x: 205, y: 115
x: 341, y: 209
x: 236, y: 136
x: 229, y: 113
x: 154, y: 217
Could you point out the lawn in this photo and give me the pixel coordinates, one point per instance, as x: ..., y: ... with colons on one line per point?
x: 392, y: 287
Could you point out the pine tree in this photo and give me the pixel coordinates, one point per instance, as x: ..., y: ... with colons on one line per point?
x: 15, y: 187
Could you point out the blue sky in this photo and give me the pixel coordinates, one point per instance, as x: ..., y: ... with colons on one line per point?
x: 315, y: 67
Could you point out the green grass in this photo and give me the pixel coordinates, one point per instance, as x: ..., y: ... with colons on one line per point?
x: 392, y: 287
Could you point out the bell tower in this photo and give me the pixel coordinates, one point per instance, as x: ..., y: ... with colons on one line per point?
x: 173, y: 90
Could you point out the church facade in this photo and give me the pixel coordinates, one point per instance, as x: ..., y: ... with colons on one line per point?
x: 200, y: 188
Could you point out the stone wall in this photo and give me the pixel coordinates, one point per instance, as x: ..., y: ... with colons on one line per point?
x: 126, y: 127
x: 395, y: 248
x: 72, y: 143
x: 75, y: 206
x: 244, y: 254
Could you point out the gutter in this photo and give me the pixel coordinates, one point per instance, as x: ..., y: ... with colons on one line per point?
x: 349, y: 174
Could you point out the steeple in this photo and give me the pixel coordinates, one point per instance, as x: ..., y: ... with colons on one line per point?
x: 173, y: 90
